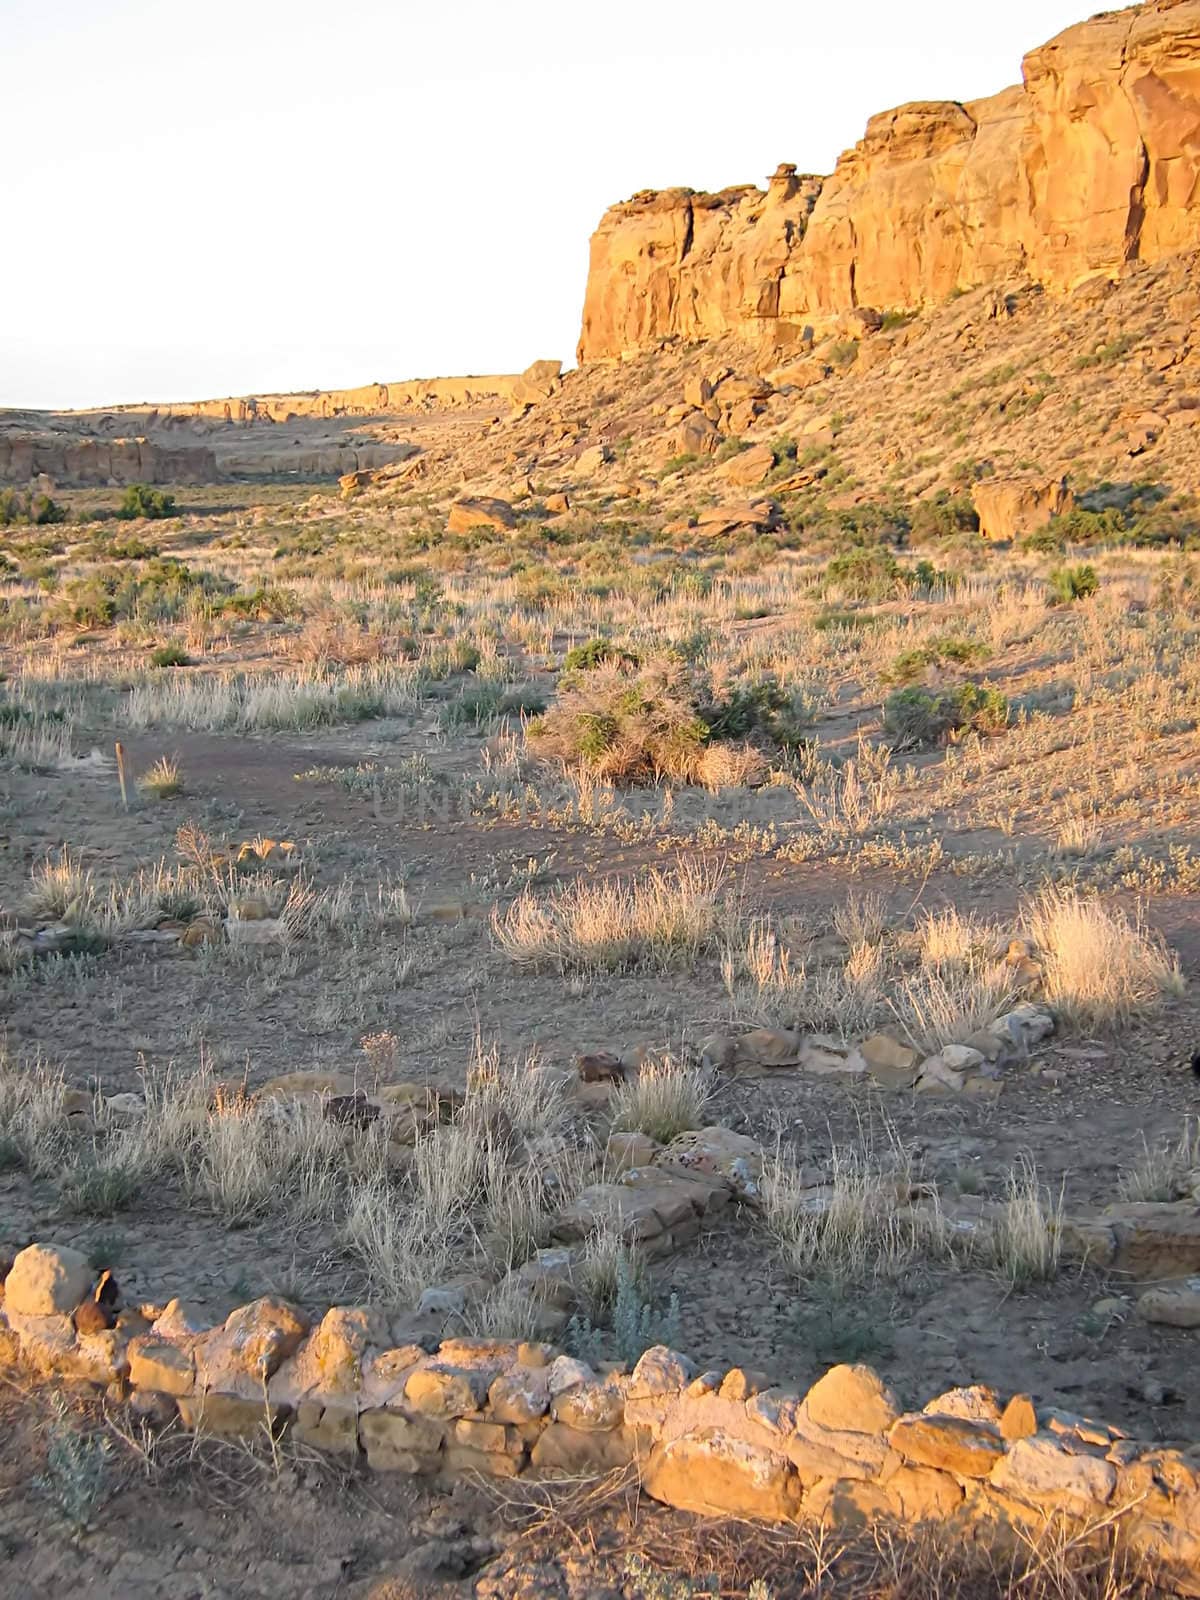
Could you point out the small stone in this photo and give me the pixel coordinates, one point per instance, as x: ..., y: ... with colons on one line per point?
x: 937, y: 1075
x: 1175, y: 1305
x: 442, y: 1391
x: 961, y: 1057
x: 1019, y: 1419
x: 853, y: 1399
x: 951, y: 1444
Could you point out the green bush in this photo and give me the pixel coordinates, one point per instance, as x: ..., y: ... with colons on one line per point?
x: 681, y: 463
x: 761, y: 708
x: 942, y: 517
x: 584, y: 657
x: 910, y: 664
x: 1068, y: 584
x: 34, y: 510
x: 140, y: 500
x: 864, y: 573
x: 916, y: 717
x: 170, y: 655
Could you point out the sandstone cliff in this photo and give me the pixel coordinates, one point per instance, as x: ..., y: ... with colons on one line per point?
x: 1091, y: 162
x: 25, y: 457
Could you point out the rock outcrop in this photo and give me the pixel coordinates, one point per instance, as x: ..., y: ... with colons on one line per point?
x: 88, y: 461
x: 1091, y: 162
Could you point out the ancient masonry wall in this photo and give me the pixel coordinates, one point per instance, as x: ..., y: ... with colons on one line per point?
x: 719, y: 1443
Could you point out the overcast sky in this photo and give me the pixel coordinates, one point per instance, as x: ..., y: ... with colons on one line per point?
x: 247, y: 195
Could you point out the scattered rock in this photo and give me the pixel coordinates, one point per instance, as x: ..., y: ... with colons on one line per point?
x: 47, y: 1280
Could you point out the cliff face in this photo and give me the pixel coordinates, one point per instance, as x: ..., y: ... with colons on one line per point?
x: 1092, y: 161
x: 25, y: 457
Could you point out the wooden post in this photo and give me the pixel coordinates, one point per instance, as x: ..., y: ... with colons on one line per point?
x: 121, y: 774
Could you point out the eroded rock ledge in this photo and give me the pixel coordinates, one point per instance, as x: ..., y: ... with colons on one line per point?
x: 1091, y: 162
x: 720, y: 1443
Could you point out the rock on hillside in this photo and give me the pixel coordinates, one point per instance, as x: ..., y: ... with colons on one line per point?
x: 1090, y: 163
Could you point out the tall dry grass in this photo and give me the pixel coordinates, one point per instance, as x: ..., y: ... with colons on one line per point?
x: 1101, y: 966
x: 659, y: 920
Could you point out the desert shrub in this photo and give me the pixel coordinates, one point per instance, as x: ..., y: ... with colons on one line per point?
x: 630, y: 722
x: 864, y: 573
x: 942, y: 517
x: 140, y: 500
x: 844, y: 352
x: 77, y: 1478
x: 760, y: 707
x: 680, y: 463
x: 583, y: 657
x: 170, y: 655
x: 480, y: 707
x: 917, y: 717
x: 910, y: 664
x: 626, y: 727
x: 664, y: 1100
x: 1046, y: 540
x: 1068, y: 584
x: 30, y: 509
x: 269, y: 604
x: 128, y: 549
x: 156, y: 592
x: 657, y: 921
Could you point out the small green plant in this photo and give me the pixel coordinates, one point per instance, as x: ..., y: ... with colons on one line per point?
x: 837, y: 1330
x: 652, y: 1583
x: 101, y: 1188
x: 681, y: 463
x: 170, y: 655
x: 140, y: 500
x: 106, y: 1248
x: 77, y: 1468
x: 637, y: 1324
x: 1068, y: 584
x: 911, y: 664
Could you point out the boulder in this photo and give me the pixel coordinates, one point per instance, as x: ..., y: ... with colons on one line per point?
x: 1011, y: 508
x: 720, y: 1475
x: 748, y: 468
x: 718, y: 1153
x: 952, y: 1444
x: 47, y: 1280
x: 481, y: 511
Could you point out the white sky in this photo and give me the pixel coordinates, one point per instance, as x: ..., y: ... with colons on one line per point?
x: 246, y: 195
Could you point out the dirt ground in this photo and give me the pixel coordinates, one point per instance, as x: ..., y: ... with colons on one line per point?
x: 1082, y: 1108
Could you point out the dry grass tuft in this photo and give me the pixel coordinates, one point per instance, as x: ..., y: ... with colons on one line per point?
x: 661, y: 920
x: 862, y: 1222
x: 665, y: 1099
x: 1100, y: 966
x: 1166, y: 1171
x: 945, y: 1005
x: 1025, y: 1238
x: 162, y: 780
